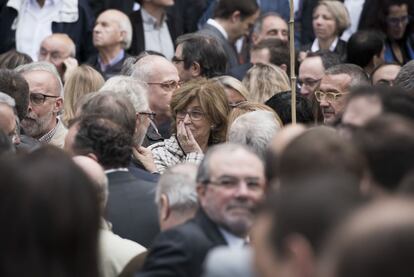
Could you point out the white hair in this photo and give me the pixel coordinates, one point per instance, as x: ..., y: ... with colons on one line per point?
x: 144, y: 67
x: 125, y: 26
x: 254, y: 129
x: 42, y: 66
x: 7, y: 99
x: 178, y: 183
x: 134, y: 90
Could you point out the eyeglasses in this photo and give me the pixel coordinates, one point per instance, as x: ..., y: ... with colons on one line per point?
x: 168, y: 85
x: 395, y: 21
x: 40, y: 98
x: 233, y: 182
x: 327, y: 96
x: 176, y: 60
x: 309, y: 82
x: 194, y: 115
x: 150, y: 115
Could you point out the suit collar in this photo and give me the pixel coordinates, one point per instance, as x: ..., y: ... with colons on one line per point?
x: 209, y: 227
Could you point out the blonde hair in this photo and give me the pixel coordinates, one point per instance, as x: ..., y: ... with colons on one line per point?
x: 232, y: 83
x: 339, y: 13
x: 265, y: 80
x: 83, y: 80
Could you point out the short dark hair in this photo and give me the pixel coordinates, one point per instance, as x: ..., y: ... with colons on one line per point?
x: 109, y: 141
x: 13, y: 84
x: 357, y: 74
x: 328, y: 58
x: 363, y: 46
x: 204, y: 50
x: 225, y: 8
x: 384, y: 141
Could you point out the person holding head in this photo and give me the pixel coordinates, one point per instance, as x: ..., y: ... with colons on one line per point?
x: 153, y: 29
x: 236, y: 92
x: 330, y: 20
x: 59, y: 50
x: 199, y: 110
x: 230, y: 186
x: 82, y: 80
x: 385, y: 74
x: 162, y: 79
x: 265, y: 80
x: 393, y: 17
x: 176, y: 195
x: 199, y: 55
x: 366, y: 49
x: 270, y: 25
x: 231, y: 21
x: 335, y: 84
x: 45, y: 103
x: 112, y: 36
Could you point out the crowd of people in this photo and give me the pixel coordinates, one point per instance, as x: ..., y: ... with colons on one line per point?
x: 155, y: 138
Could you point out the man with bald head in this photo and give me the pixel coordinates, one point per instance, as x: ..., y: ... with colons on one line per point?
x: 45, y: 102
x: 162, y: 79
x: 57, y: 49
x: 112, y: 35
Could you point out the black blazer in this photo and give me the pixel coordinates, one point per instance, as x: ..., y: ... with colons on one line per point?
x: 138, y: 37
x: 340, y: 49
x: 131, y: 208
x: 232, y: 57
x: 110, y: 70
x: 181, y: 251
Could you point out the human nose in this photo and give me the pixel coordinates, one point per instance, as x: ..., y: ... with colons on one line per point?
x: 187, y: 119
x: 242, y: 190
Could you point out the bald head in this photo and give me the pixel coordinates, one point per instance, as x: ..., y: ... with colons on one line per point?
x: 148, y: 67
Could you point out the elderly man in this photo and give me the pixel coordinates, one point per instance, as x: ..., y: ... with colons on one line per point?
x: 162, y: 79
x: 58, y: 49
x: 335, y: 84
x: 270, y: 25
x: 230, y: 185
x: 112, y: 35
x: 45, y: 102
x: 176, y: 195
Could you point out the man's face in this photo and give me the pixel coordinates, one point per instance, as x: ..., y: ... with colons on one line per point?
x: 45, y: 102
x: 107, y: 32
x: 332, y: 89
x: 385, y: 75
x: 311, y: 71
x: 55, y: 50
x: 235, y: 189
x: 161, y: 85
x: 273, y: 27
x: 244, y: 26
x: 8, y: 123
x: 185, y: 74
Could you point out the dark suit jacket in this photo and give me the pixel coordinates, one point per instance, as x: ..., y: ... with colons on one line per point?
x: 240, y: 71
x: 110, y: 70
x: 131, y: 208
x: 181, y: 251
x: 138, y: 37
x: 232, y: 57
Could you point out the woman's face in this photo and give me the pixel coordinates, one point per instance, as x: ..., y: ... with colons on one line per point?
x: 196, y: 120
x: 324, y: 24
x: 397, y: 21
x: 233, y: 96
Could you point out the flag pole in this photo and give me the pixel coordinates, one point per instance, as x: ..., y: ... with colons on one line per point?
x: 292, y: 60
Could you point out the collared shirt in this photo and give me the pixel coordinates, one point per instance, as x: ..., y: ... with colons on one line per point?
x: 35, y: 24
x: 157, y: 36
x: 315, y: 45
x: 116, y: 170
x: 112, y: 62
x: 232, y: 240
x: 214, y: 23
x: 46, y: 138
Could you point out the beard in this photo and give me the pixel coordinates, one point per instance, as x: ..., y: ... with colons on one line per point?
x: 35, y: 126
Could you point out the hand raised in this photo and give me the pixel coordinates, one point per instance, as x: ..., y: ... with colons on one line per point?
x: 186, y: 139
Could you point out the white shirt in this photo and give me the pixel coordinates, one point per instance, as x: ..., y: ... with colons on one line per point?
x: 315, y: 45
x: 232, y: 240
x: 214, y: 23
x: 35, y: 24
x: 157, y: 37
x: 116, y: 170
x: 354, y: 8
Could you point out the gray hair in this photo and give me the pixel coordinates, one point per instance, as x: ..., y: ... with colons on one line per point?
x: 179, y: 185
x: 42, y: 66
x: 125, y: 26
x: 128, y: 66
x: 357, y: 74
x: 254, y: 129
x: 134, y: 90
x: 7, y: 99
x: 405, y: 78
x: 145, y: 66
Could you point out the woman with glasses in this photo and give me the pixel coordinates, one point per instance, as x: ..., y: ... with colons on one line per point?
x: 394, y: 18
x: 199, y: 110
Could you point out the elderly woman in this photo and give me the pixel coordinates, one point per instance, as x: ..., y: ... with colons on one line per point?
x: 330, y: 20
x: 199, y: 110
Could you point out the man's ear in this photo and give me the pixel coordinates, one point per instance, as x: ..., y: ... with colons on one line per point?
x: 235, y: 16
x: 58, y: 105
x: 195, y: 69
x: 164, y: 208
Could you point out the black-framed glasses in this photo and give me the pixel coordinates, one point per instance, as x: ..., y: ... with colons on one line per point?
x: 194, y: 114
x: 40, y: 98
x: 233, y: 182
x: 151, y: 115
x: 176, y: 60
x: 167, y: 85
x: 327, y: 96
x: 395, y: 21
